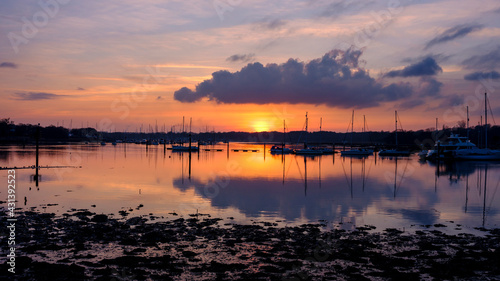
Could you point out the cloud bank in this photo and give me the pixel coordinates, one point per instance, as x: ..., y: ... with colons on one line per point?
x: 453, y: 33
x: 335, y: 80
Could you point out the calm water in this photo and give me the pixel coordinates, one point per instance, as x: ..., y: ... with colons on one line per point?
x: 253, y: 185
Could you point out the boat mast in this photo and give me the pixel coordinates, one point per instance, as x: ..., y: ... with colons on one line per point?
x: 352, y: 127
x: 283, y: 144
x: 284, y: 132
x: 467, y: 122
x: 485, y: 121
x: 305, y: 143
x: 320, y: 123
x: 396, y: 131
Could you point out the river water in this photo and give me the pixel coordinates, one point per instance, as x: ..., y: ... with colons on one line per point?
x: 248, y: 185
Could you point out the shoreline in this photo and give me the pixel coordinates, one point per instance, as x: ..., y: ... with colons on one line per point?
x: 84, y: 245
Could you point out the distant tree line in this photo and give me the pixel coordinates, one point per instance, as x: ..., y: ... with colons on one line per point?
x: 11, y: 133
x: 26, y: 133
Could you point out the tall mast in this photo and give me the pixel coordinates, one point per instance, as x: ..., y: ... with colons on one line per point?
x: 485, y: 121
x: 320, y: 123
x: 396, y: 117
x: 467, y: 122
x: 305, y: 144
x: 352, y: 127
x: 306, y: 122
x: 284, y: 132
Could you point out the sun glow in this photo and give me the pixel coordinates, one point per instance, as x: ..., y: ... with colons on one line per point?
x: 260, y: 126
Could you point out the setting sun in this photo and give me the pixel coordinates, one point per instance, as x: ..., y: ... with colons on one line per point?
x: 260, y: 126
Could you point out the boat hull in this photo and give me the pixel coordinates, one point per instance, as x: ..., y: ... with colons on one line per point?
x: 356, y: 152
x: 391, y: 152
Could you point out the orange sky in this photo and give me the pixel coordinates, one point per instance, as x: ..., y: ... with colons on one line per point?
x: 118, y: 64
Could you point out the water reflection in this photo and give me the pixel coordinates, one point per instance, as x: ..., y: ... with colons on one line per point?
x: 247, y: 182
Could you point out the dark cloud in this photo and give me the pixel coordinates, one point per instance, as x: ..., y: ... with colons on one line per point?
x: 439, y: 58
x: 242, y: 58
x: 451, y: 101
x: 36, y: 96
x: 411, y: 104
x: 453, y: 33
x: 479, y: 75
x: 80, y: 89
x: 487, y: 61
x: 429, y: 87
x: 159, y: 98
x: 428, y: 66
x: 8, y: 64
x: 334, y: 80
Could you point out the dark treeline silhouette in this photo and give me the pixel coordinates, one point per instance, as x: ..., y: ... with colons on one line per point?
x: 11, y: 133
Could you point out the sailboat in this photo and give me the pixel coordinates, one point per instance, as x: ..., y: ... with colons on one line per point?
x: 276, y: 149
x: 324, y: 150
x: 305, y: 150
x: 181, y: 148
x: 394, y: 152
x: 356, y: 151
x: 475, y: 153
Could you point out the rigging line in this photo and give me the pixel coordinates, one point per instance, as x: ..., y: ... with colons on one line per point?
x: 493, y: 196
x: 400, y: 124
x: 289, y: 166
x: 302, y: 131
x: 345, y: 174
x: 403, y: 175
x: 300, y: 172
x: 491, y: 111
x: 347, y: 131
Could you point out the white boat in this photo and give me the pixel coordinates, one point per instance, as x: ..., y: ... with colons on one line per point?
x: 356, y: 151
x: 477, y: 154
x: 276, y: 149
x: 449, y: 148
x: 473, y: 152
x: 394, y: 152
x: 184, y: 148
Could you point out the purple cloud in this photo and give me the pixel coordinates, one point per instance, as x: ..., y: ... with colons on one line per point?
x: 453, y: 33
x: 428, y: 66
x: 31, y: 96
x: 336, y: 79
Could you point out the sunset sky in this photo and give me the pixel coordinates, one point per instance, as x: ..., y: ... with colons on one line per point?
x: 247, y: 65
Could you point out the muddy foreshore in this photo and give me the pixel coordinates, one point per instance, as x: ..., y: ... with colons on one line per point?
x: 81, y: 245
